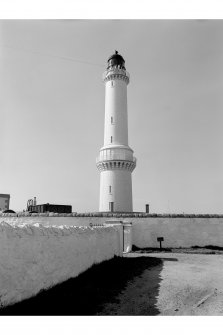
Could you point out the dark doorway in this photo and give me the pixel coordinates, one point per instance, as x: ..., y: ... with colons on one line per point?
x: 111, y: 206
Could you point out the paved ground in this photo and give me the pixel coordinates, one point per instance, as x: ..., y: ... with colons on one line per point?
x: 138, y: 284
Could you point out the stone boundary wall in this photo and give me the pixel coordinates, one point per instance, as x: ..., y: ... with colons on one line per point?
x: 34, y: 257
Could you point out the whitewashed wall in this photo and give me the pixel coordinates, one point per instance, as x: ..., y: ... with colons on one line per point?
x: 52, y: 220
x: 178, y: 232
x: 33, y: 257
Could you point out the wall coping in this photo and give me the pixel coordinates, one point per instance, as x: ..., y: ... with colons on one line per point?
x: 111, y: 215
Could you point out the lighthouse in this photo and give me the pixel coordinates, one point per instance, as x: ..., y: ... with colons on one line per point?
x: 116, y: 161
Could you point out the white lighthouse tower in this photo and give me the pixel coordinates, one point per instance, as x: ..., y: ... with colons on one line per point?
x: 116, y: 161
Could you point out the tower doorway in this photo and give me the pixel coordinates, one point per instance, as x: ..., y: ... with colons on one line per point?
x: 111, y: 206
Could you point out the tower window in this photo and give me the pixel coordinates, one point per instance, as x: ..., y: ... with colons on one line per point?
x: 112, y: 121
x: 111, y: 139
x: 110, y: 189
x: 112, y: 83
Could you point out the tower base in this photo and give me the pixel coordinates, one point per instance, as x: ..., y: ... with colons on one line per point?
x: 115, y: 191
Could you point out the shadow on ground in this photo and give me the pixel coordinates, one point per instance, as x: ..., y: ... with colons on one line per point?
x: 93, y: 290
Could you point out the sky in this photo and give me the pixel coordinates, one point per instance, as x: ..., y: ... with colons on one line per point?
x: 52, y: 111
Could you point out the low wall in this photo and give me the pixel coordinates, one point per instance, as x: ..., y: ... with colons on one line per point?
x: 34, y: 257
x: 178, y: 232
x: 51, y: 221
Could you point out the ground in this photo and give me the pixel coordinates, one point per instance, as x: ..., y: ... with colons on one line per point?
x: 160, y: 283
x: 189, y: 284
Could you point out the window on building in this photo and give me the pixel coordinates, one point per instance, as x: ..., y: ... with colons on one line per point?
x: 110, y: 189
x: 111, y: 139
x: 112, y: 121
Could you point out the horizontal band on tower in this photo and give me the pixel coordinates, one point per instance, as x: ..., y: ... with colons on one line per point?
x: 116, y: 165
x: 116, y: 73
x: 116, y: 76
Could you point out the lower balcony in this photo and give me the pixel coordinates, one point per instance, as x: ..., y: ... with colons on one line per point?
x: 116, y: 165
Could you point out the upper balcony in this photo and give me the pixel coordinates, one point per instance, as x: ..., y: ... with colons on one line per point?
x: 116, y: 72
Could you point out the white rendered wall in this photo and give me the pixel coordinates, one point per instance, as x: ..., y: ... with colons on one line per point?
x: 33, y: 258
x: 178, y: 232
x: 121, y: 190
x: 116, y: 107
x: 50, y: 221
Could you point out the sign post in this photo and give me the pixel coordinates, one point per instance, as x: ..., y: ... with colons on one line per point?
x: 160, y: 239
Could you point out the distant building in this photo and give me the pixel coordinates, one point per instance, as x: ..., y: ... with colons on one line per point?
x: 4, y: 201
x: 44, y: 208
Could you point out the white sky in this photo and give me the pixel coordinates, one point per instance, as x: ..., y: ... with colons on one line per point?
x: 52, y: 113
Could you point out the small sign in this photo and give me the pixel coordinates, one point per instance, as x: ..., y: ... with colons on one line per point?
x: 160, y: 240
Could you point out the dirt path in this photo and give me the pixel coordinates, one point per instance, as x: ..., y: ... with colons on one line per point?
x: 189, y: 284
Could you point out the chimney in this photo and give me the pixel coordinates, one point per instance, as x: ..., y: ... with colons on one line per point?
x: 147, y: 208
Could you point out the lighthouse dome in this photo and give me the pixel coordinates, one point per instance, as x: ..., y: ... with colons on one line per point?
x: 116, y: 60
